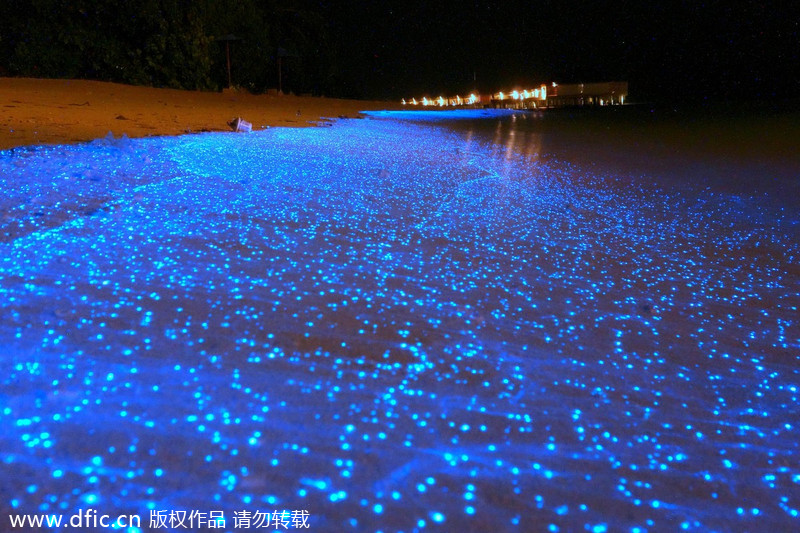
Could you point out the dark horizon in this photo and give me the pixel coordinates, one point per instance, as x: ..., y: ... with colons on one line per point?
x: 676, y: 52
x: 667, y: 51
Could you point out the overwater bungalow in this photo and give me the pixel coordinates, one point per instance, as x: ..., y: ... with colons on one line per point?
x: 542, y: 96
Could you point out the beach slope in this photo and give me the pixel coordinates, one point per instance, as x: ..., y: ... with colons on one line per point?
x: 39, y: 111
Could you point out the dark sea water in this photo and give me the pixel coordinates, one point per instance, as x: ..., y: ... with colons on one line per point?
x: 750, y: 149
x: 509, y: 321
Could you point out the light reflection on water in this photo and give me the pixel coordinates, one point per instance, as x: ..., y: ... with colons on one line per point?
x: 739, y: 152
x: 396, y: 326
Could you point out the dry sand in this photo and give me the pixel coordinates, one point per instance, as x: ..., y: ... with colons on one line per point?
x: 38, y: 111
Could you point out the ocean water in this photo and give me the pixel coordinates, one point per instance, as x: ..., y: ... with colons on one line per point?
x: 410, y: 322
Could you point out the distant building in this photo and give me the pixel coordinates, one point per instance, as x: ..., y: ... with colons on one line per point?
x: 582, y: 94
x: 557, y: 95
x: 543, y: 96
x: 521, y: 99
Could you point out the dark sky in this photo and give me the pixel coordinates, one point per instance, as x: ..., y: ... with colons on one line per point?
x: 666, y: 49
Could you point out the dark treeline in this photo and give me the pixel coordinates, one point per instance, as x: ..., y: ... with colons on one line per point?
x: 390, y: 48
x: 170, y: 43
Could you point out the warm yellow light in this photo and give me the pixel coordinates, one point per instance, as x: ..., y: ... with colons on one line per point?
x: 403, y: 101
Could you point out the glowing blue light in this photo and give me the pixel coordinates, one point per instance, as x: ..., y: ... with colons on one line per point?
x: 390, y: 310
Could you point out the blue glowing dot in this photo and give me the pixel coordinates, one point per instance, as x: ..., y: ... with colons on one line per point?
x: 337, y: 496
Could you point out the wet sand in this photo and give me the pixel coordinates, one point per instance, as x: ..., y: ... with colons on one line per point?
x: 396, y: 326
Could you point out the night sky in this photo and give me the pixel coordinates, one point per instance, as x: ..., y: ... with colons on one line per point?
x: 667, y: 50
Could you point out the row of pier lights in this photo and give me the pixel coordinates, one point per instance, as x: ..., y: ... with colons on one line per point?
x: 530, y: 96
x: 554, y: 95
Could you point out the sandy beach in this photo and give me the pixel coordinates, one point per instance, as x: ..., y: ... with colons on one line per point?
x: 508, y: 322
x: 40, y: 111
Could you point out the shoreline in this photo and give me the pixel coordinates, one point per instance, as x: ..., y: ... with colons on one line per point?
x: 171, y: 301
x: 65, y: 111
x: 51, y: 111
